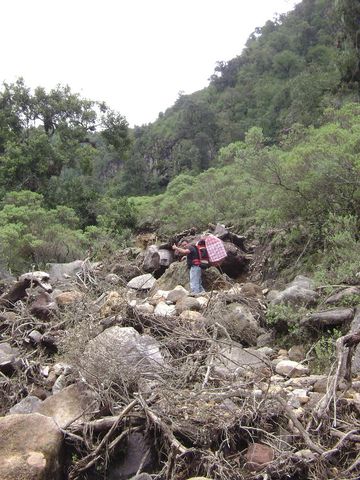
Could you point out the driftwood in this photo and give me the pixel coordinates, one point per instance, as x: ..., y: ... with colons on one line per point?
x: 336, y: 316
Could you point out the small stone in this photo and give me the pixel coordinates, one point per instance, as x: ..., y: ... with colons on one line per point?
x: 258, y: 456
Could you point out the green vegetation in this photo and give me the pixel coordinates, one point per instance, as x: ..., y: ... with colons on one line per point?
x: 325, y: 352
x: 291, y: 70
x: 271, y: 143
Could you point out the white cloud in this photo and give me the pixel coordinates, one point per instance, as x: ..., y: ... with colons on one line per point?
x: 134, y: 54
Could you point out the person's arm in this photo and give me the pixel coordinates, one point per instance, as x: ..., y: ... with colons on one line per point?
x: 182, y: 251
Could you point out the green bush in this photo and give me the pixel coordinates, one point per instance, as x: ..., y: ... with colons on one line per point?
x: 325, y: 352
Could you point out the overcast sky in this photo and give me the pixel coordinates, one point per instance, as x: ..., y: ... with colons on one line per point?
x: 136, y: 55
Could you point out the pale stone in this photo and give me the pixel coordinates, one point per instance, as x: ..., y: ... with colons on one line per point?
x: 68, y: 298
x: 37, y: 460
x: 162, y: 309
x: 142, y: 282
x: 291, y: 369
x: 145, y: 308
x: 192, y: 315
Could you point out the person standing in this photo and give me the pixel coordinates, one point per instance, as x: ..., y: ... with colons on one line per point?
x: 192, y: 260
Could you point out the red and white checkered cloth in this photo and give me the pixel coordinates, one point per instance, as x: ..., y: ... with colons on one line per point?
x: 215, y: 248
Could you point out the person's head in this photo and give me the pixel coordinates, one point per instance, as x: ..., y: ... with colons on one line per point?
x: 184, y: 243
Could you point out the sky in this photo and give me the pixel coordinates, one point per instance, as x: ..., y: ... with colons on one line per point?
x: 136, y: 55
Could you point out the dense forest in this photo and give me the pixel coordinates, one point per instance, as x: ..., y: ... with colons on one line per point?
x: 272, y: 141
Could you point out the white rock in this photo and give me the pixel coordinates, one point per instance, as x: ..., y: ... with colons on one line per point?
x: 291, y: 369
x: 164, y: 310
x: 142, y: 282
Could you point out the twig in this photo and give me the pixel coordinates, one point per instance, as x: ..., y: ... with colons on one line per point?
x: 174, y: 442
x: 86, y: 462
x: 346, y: 437
x: 212, y: 357
x: 290, y: 414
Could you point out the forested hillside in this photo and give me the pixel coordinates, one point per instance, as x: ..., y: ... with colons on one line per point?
x: 272, y: 139
x: 291, y: 69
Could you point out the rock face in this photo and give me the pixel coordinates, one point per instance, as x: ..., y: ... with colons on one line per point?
x: 30, y: 448
x: 298, y: 292
x: 121, y: 354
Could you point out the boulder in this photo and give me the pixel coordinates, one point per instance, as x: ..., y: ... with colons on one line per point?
x: 69, y: 404
x: 30, y: 448
x: 111, y: 303
x: 187, y: 303
x: 252, y: 290
x: 60, y: 272
x: 29, y: 280
x: 177, y: 293
x: 121, y: 354
x: 43, y: 307
x: 236, y: 262
x: 192, y: 316
x: 233, y: 361
x: 145, y: 308
x: 68, y: 298
x: 162, y: 309
x: 298, y: 292
x: 156, y: 258
x: 176, y: 274
x: 297, y: 353
x: 29, y: 404
x: 113, y: 279
x: 240, y: 324
x: 288, y: 368
x: 142, y: 282
x: 137, y: 452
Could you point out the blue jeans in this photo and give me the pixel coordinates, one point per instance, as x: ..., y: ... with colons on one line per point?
x: 195, y: 279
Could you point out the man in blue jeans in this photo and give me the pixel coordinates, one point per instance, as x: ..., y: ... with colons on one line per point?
x: 192, y: 260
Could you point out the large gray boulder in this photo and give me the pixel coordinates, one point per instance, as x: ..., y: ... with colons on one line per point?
x: 240, y: 323
x: 122, y: 355
x: 299, y: 292
x: 232, y: 361
x: 142, y: 282
x: 30, y: 448
x: 60, y: 272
